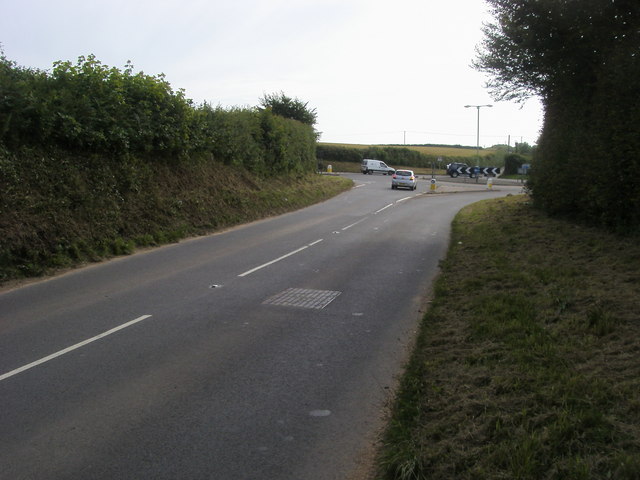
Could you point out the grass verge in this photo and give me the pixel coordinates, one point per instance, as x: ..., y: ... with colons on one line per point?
x: 49, y: 228
x: 527, y: 362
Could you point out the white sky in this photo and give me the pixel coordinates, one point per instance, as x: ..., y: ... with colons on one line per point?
x: 376, y: 71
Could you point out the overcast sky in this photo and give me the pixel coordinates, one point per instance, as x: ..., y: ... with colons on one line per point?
x: 375, y: 71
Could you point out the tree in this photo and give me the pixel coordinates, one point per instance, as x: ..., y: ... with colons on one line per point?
x: 546, y: 47
x: 512, y: 163
x: 582, y: 57
x: 287, y: 107
x: 523, y: 148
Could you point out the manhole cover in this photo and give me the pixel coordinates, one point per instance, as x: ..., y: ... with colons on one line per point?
x: 301, y: 297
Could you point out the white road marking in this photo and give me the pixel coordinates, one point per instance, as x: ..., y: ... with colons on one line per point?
x: 249, y: 272
x: 353, y: 224
x: 320, y: 413
x: 71, y: 348
x: 384, y: 208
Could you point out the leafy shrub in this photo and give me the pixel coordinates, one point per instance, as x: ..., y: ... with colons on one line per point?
x: 89, y: 108
x: 512, y: 163
x: 587, y: 73
x: 287, y: 107
x: 94, y: 160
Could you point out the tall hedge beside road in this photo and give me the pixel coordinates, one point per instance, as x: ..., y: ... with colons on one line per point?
x: 95, y: 160
x: 88, y: 107
x: 582, y: 59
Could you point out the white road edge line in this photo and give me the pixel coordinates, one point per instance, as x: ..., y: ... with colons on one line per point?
x: 249, y: 272
x: 404, y: 199
x: 384, y: 208
x: 71, y: 348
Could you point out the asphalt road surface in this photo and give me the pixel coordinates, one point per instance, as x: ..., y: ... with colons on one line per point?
x: 265, y: 352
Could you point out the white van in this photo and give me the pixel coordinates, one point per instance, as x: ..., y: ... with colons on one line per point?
x: 373, y: 166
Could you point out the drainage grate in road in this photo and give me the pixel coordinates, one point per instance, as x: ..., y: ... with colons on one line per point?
x: 301, y: 297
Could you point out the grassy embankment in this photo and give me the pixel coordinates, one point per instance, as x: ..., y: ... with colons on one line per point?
x: 70, y: 215
x: 527, y: 362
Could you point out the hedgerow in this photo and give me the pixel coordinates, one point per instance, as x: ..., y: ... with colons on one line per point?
x: 95, y: 160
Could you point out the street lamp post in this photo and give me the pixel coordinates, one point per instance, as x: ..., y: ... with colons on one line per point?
x: 478, y: 107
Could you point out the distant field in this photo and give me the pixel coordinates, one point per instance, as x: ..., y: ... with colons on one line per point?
x: 445, y: 151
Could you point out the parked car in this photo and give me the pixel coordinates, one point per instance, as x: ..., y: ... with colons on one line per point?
x: 404, y: 178
x: 373, y: 166
x: 452, y: 169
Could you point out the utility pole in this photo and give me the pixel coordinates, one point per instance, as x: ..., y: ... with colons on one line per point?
x: 478, y: 107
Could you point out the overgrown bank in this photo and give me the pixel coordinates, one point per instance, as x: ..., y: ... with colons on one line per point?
x: 526, y: 364
x: 61, y: 210
x: 95, y: 161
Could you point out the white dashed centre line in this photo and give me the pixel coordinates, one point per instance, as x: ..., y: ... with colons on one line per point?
x: 72, y: 347
x: 384, y: 208
x: 353, y: 224
x: 249, y: 272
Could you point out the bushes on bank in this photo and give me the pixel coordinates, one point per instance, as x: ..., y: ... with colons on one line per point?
x: 95, y: 160
x: 88, y: 107
x: 513, y: 162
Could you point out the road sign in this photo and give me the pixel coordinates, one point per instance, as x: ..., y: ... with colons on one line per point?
x: 471, y: 171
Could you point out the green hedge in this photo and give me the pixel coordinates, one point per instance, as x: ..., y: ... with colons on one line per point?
x: 589, y: 152
x: 95, y: 160
x: 88, y: 107
x: 586, y: 71
x: 393, y: 155
x: 512, y: 163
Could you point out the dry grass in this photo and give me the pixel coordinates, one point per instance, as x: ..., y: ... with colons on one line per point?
x: 527, y: 365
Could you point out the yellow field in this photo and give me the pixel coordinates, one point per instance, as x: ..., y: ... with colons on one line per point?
x: 451, y: 151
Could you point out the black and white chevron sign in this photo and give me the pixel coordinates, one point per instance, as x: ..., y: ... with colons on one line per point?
x: 478, y: 170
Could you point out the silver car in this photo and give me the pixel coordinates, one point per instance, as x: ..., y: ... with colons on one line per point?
x: 404, y: 178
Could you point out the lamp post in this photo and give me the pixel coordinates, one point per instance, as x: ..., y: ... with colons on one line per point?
x: 478, y: 107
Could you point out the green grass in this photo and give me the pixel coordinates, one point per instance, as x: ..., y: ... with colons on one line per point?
x: 527, y: 362
x: 522, y: 178
x: 40, y: 237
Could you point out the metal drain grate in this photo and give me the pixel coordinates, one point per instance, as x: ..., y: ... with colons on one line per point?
x: 301, y: 297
